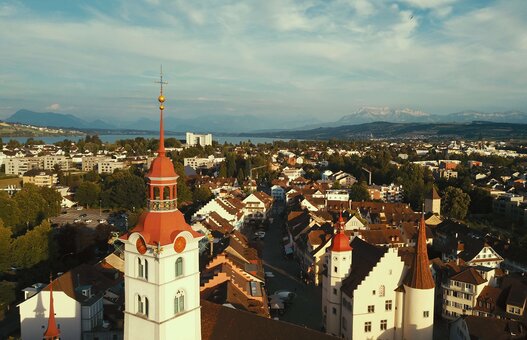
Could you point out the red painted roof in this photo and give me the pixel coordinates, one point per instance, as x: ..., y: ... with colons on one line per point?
x: 420, y: 276
x: 161, y: 166
x: 52, y: 331
x: 162, y: 227
x: 340, y: 242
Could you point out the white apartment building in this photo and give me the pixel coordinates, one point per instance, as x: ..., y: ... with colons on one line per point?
x: 194, y: 139
x: 109, y: 166
x: 208, y: 162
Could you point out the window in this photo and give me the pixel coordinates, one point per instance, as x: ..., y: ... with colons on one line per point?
x: 371, y: 308
x: 367, y: 326
x: 388, y: 305
x: 140, y: 268
x: 146, y: 270
x: 372, y: 292
x: 335, y: 269
x: 334, y: 310
x: 146, y: 306
x: 384, y: 325
x: 140, y: 305
x: 344, y: 323
x: 426, y: 314
x: 179, y: 266
x: 179, y: 302
x: 381, y: 291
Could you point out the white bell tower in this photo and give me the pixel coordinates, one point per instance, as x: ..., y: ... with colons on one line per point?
x: 162, y: 299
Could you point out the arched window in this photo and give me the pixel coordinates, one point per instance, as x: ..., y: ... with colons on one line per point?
x: 166, y: 193
x: 179, y: 266
x: 156, y: 193
x: 140, y: 305
x: 146, y: 270
x: 146, y: 306
x: 179, y: 302
x: 381, y: 291
x: 140, y: 268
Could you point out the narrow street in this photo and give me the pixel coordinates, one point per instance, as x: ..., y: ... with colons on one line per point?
x: 305, y: 309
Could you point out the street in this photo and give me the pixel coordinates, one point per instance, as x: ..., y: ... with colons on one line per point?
x: 305, y: 309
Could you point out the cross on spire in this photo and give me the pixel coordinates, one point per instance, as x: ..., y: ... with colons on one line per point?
x: 161, y: 82
x: 161, y: 99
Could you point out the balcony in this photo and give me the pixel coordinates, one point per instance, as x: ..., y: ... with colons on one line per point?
x: 161, y: 205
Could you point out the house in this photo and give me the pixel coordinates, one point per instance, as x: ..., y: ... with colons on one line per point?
x: 257, y: 205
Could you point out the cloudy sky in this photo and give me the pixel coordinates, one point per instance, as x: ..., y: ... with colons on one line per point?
x: 281, y: 58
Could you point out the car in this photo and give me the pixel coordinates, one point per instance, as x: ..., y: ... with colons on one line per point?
x: 79, y: 208
x: 260, y: 234
x: 269, y: 274
x: 83, y: 215
x: 77, y: 220
x: 102, y: 220
x: 88, y: 221
x: 285, y: 295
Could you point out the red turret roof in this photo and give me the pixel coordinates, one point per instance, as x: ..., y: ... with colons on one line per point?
x: 340, y: 242
x: 420, y: 276
x: 52, y: 332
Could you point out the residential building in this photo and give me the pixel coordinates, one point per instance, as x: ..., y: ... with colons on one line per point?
x: 109, y: 166
x: 433, y: 202
x: 194, y: 139
x: 202, y: 163
x: 41, y: 178
x: 257, y: 205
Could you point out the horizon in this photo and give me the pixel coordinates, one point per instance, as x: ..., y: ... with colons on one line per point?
x: 288, y: 60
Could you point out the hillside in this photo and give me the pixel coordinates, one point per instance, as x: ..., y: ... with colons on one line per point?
x: 22, y: 130
x: 471, y: 130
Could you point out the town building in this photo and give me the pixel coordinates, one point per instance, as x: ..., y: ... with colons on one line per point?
x: 109, y: 166
x: 370, y: 292
x: 40, y: 178
x: 433, y: 202
x: 194, y: 139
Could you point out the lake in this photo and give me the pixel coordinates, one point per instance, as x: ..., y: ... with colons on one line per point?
x: 113, y: 138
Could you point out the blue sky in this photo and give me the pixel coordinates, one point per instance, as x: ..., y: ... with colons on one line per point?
x: 305, y: 59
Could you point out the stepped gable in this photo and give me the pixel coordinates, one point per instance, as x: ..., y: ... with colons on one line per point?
x: 419, y: 275
x: 364, y: 257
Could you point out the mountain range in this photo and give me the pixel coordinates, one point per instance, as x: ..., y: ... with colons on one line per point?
x: 258, y: 124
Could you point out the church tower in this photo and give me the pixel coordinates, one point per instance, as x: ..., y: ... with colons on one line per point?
x: 433, y: 202
x: 419, y: 293
x: 338, y: 267
x: 52, y: 332
x: 161, y: 278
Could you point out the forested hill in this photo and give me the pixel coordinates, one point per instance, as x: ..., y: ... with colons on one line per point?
x: 473, y: 130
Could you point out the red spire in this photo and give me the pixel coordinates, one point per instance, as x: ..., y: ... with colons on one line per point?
x: 340, y: 242
x: 420, y: 275
x: 52, y: 332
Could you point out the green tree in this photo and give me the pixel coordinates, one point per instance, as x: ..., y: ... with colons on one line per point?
x: 201, y: 194
x: 358, y: 193
x: 9, y: 211
x: 455, y: 203
x: 53, y: 202
x: 31, y: 204
x: 5, y: 247
x: 88, y: 194
x: 32, y: 247
x: 92, y: 176
x: 125, y: 190
x: 223, y: 170
x: 231, y: 164
x: 7, y: 295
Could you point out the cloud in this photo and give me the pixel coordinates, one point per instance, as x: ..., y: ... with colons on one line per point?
x: 310, y: 58
x: 53, y: 107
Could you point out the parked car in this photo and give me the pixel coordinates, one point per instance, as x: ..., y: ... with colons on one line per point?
x: 79, y: 208
x: 260, y: 234
x: 269, y: 274
x: 83, y: 215
x: 285, y: 295
x: 88, y: 221
x: 102, y: 220
x: 77, y: 220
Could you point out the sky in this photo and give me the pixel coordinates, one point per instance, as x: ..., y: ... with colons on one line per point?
x: 279, y: 58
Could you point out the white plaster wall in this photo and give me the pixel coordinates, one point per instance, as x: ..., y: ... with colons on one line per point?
x: 417, y: 301
x: 388, y: 272
x: 34, y: 314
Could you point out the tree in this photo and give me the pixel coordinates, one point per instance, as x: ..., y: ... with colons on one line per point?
x: 5, y: 247
x: 92, y: 176
x: 231, y: 164
x: 223, y: 170
x: 455, y: 203
x: 358, y: 193
x: 31, y: 204
x: 125, y: 190
x: 54, y: 201
x: 9, y: 211
x: 88, y: 194
x: 201, y: 194
x: 32, y: 247
x: 7, y: 295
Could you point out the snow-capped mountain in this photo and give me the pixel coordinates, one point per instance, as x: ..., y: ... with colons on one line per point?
x: 386, y: 114
x: 517, y: 117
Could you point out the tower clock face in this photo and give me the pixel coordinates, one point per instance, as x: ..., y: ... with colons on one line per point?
x: 140, y: 245
x: 180, y: 244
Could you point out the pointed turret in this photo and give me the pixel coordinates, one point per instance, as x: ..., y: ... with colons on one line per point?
x: 421, y: 276
x: 52, y: 332
x: 340, y: 242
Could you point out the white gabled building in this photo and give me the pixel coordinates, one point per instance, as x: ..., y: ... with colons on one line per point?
x: 369, y: 293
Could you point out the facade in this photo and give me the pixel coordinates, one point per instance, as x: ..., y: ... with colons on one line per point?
x: 20, y: 165
x: 89, y: 163
x: 202, y: 163
x: 109, y: 166
x: 40, y: 178
x: 370, y: 293
x: 278, y: 193
x: 194, y: 139
x: 433, y: 202
x: 162, y: 299
x: 460, y: 293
